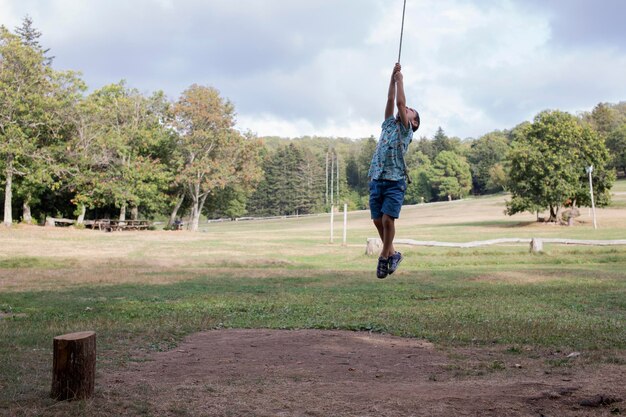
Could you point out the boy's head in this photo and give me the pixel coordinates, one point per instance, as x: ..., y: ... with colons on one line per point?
x: 414, y: 118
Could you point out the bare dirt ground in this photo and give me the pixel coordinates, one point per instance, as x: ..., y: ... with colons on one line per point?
x: 337, y: 373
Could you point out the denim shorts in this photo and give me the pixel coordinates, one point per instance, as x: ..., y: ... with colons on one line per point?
x: 386, y: 197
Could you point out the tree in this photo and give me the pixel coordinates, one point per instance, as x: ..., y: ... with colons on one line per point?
x: 548, y: 165
x: 450, y: 176
x: 312, y: 184
x: 441, y: 142
x: 262, y: 201
x: 364, y: 160
x: 616, y: 143
x: 229, y: 202
x: 46, y: 170
x: 426, y: 146
x: 605, y: 118
x: 291, y: 183
x: 498, y: 179
x: 30, y: 37
x: 63, y: 90
x: 116, y: 150
x: 353, y: 174
x: 420, y: 190
x: 519, y: 132
x: 25, y: 104
x: 483, y: 155
x: 609, y: 121
x: 215, y: 154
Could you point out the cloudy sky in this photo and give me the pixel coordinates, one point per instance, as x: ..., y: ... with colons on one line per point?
x: 321, y: 67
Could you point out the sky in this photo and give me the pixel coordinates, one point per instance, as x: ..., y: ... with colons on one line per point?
x: 321, y: 67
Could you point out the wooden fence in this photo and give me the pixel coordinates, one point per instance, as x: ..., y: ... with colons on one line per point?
x: 374, y: 245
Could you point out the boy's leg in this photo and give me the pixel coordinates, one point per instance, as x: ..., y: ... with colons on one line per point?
x: 382, y: 269
x: 379, y: 226
x: 389, y: 232
x: 391, y: 207
x: 376, y: 205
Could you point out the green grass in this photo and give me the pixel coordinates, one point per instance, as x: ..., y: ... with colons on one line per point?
x: 571, y: 309
x: 33, y: 262
x: 287, y: 276
x: 581, y: 309
x: 618, y: 199
x: 619, y: 186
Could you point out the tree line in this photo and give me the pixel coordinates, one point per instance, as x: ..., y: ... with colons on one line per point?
x: 113, y: 151
x: 117, y: 152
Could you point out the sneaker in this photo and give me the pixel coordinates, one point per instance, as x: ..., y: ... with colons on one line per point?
x: 382, y: 270
x: 394, y: 261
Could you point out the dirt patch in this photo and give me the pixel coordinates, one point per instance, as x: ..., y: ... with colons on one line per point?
x: 336, y: 373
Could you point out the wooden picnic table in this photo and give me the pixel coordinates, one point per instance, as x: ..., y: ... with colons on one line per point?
x: 118, y: 225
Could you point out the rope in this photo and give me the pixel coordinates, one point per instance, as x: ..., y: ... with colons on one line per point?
x: 401, y: 31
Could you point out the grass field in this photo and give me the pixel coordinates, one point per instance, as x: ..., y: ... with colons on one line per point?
x: 619, y: 186
x: 143, y: 291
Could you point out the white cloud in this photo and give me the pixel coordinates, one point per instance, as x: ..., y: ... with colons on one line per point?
x: 270, y: 125
x: 321, y: 67
x: 8, y: 16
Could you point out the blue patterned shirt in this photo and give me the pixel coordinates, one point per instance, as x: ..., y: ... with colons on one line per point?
x: 388, y: 160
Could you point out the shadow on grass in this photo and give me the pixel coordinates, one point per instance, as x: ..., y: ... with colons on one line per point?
x: 36, y: 262
x: 500, y: 224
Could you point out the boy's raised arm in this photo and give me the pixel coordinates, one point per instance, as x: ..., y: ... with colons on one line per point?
x: 401, y: 99
x: 391, y: 94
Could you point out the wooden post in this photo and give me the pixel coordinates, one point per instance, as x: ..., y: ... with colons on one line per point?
x: 332, y: 178
x: 593, y: 204
x: 374, y: 246
x: 536, y: 245
x: 326, y: 195
x: 332, y: 223
x: 345, y: 224
x: 74, y: 366
x: 337, y: 193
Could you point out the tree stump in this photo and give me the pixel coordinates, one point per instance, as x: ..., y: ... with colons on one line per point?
x: 536, y: 245
x: 374, y: 246
x: 74, y: 366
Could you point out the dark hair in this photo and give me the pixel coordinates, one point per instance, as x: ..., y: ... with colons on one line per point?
x: 417, y: 116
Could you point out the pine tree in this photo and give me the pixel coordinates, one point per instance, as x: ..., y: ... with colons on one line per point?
x: 30, y: 37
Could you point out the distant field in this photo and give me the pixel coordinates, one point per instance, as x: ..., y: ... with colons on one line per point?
x: 144, y: 291
x: 619, y: 196
x: 620, y: 186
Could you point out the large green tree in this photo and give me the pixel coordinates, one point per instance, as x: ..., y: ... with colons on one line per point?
x: 21, y: 72
x: 215, y: 155
x: 46, y: 170
x: 33, y: 99
x: 450, y: 176
x: 115, y: 154
x: 548, y: 161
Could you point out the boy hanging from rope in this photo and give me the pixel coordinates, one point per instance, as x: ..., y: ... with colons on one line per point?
x: 388, y: 172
